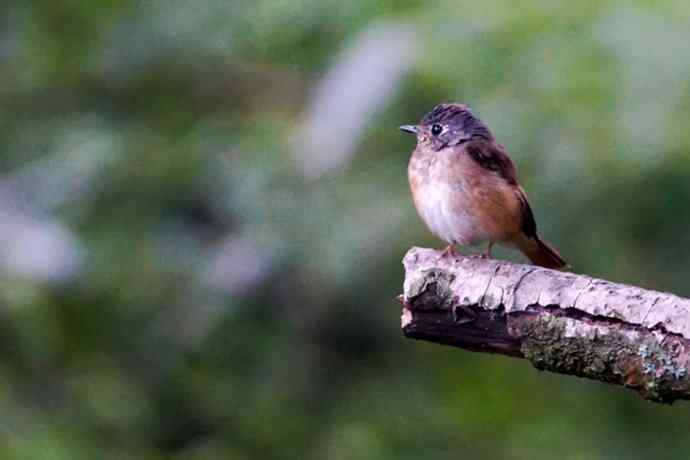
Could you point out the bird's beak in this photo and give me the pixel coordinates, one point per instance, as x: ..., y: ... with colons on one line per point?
x: 412, y: 129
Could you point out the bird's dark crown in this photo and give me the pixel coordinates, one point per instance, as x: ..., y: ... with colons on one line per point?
x: 457, y: 118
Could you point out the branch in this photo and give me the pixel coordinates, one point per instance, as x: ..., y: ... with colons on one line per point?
x: 559, y: 321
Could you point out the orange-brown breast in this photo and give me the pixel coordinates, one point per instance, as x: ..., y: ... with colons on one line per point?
x: 460, y: 201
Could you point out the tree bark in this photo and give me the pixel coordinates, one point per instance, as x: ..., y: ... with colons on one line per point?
x: 559, y: 321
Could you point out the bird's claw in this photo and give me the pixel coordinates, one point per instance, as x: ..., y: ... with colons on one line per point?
x: 449, y: 251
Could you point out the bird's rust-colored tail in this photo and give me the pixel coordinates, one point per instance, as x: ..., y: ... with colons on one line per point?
x: 540, y: 253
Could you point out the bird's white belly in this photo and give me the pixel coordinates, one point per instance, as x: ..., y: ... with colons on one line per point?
x: 453, y: 224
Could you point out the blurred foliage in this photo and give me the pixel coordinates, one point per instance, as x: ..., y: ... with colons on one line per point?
x: 175, y: 286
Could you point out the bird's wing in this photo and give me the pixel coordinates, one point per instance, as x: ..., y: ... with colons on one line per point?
x: 492, y: 156
x: 529, y: 225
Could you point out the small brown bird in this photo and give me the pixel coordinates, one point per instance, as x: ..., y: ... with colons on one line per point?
x: 465, y: 186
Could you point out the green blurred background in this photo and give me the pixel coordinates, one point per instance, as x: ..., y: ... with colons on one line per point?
x: 204, y: 207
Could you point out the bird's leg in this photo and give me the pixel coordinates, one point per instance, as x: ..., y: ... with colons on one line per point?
x: 448, y: 252
x: 487, y: 253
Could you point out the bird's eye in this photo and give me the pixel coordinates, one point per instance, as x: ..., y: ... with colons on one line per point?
x: 436, y: 130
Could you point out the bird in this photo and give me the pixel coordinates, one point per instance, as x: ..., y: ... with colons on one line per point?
x: 465, y: 187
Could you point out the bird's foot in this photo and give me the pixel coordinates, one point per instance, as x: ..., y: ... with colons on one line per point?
x: 486, y: 254
x: 449, y: 251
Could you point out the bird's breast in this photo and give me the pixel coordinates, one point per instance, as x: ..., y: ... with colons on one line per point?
x: 444, y: 203
x: 461, y: 202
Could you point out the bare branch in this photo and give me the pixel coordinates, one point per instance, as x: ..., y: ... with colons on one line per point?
x: 559, y: 321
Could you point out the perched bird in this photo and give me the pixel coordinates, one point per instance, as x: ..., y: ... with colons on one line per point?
x: 465, y: 186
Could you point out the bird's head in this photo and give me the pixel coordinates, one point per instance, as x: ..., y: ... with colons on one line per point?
x: 448, y: 125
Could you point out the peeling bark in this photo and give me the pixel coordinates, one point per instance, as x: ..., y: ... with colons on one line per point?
x: 559, y: 321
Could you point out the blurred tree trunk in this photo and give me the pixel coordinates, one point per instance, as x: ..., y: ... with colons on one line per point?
x: 559, y: 321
